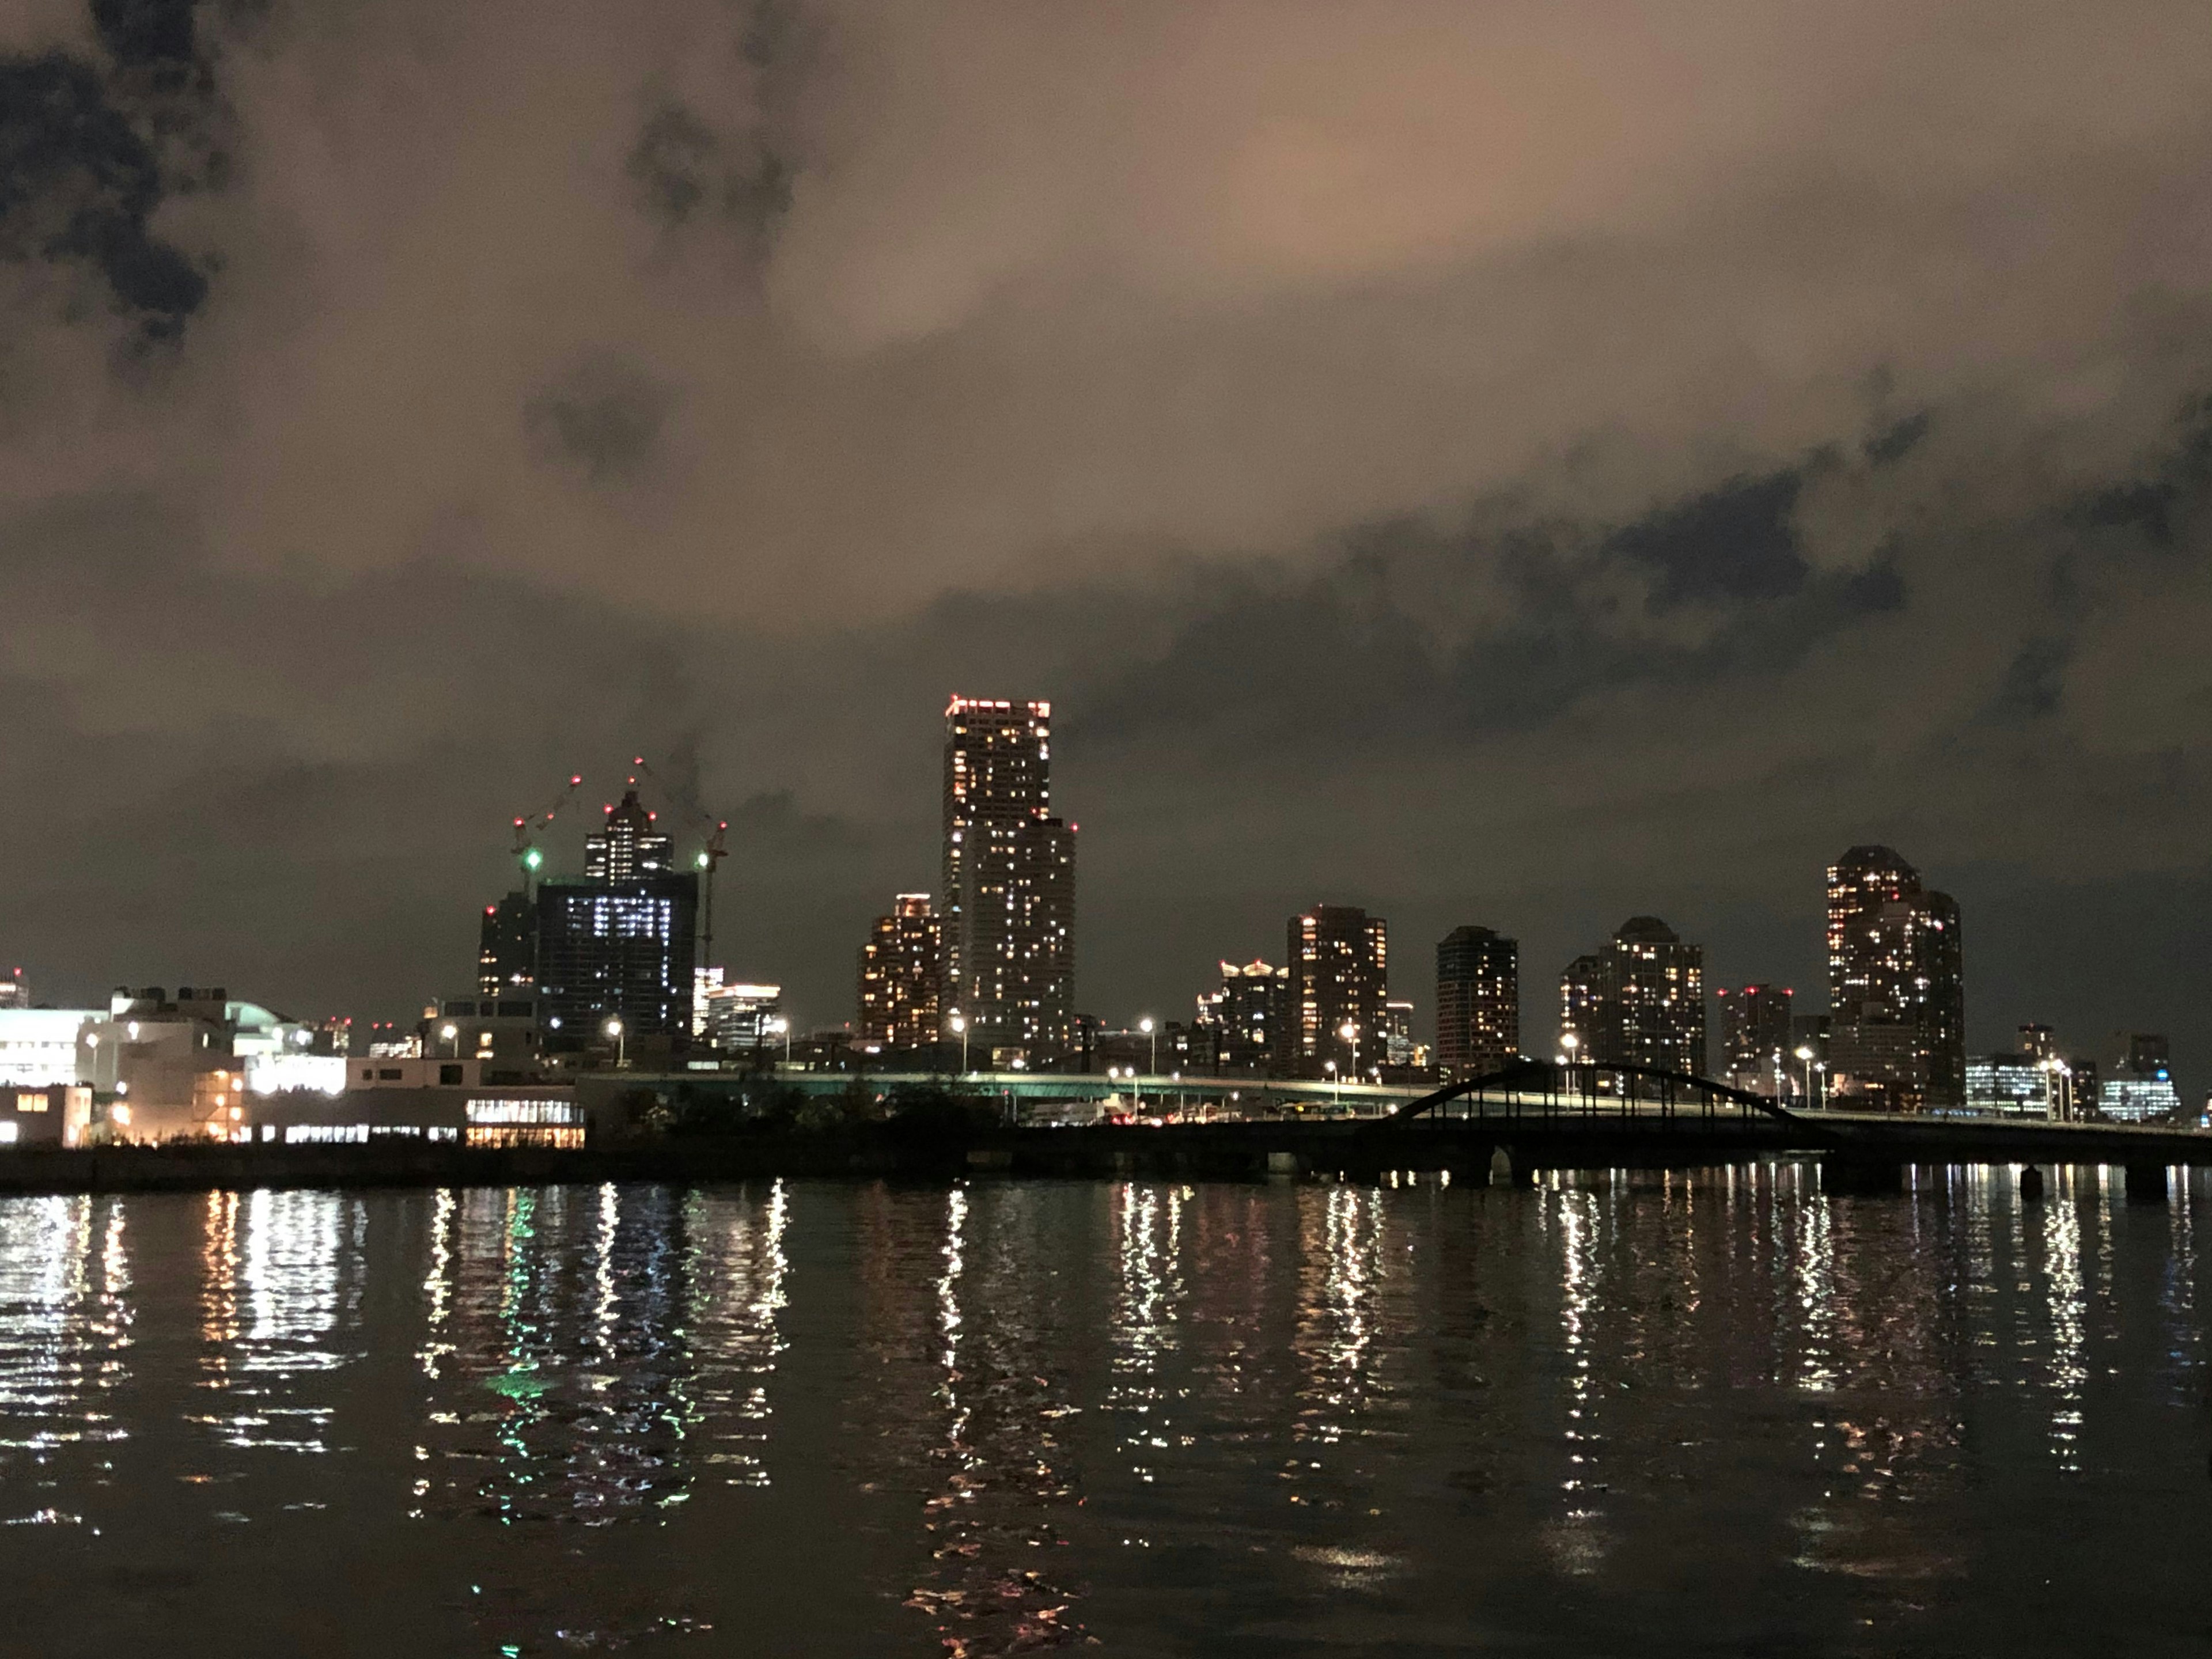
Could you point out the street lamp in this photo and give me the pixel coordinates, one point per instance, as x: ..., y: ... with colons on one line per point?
x: 1335, y: 1084
x: 614, y: 1030
x: 1568, y: 1044
x: 1350, y: 1033
x: 781, y: 1027
x: 1805, y: 1059
x: 450, y: 1032
x: 960, y: 1025
x: 1145, y: 1026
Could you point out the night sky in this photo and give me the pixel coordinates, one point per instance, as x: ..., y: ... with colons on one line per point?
x: 1519, y: 463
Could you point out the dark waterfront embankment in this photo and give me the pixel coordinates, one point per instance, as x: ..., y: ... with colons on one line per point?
x: 1859, y: 1155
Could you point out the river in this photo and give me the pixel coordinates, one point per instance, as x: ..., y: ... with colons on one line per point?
x: 1703, y: 1414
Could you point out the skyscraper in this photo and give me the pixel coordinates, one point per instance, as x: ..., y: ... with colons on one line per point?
x: 1897, y: 1039
x: 1339, y: 977
x: 1478, y: 1002
x: 620, y: 942
x: 1640, y: 1001
x: 507, y: 954
x: 901, y: 972
x: 1755, y: 1039
x: 1245, y: 1017
x: 1009, y: 919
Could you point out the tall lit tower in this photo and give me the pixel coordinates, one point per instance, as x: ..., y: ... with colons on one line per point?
x: 1009, y: 915
x: 1896, y: 984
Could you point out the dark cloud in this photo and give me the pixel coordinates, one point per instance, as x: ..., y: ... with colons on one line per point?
x: 158, y: 34
x: 1733, y: 542
x: 79, y: 184
x: 604, y: 420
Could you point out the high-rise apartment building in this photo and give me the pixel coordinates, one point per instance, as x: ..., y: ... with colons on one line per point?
x: 1640, y: 1001
x: 1009, y: 917
x: 902, y: 973
x: 1340, y: 978
x: 1245, y: 1019
x: 1897, y: 1038
x: 1478, y: 1002
x: 1756, y: 1039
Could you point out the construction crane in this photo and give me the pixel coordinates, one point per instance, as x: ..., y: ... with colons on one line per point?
x: 526, y: 831
x: 710, y: 855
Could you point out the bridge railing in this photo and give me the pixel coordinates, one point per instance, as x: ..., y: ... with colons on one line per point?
x: 1554, y: 1093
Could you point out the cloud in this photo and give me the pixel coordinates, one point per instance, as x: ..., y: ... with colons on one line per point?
x: 1514, y: 464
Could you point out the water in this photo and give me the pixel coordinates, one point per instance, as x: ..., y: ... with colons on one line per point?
x: 1714, y: 1414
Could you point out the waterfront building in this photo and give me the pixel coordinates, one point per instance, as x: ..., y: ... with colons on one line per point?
x: 1757, y: 1024
x: 1639, y: 1001
x: 1007, y: 934
x: 2013, y: 1083
x: 2140, y: 1089
x: 1340, y: 960
x: 902, y: 975
x: 59, y: 1114
x: 41, y: 1048
x: 1240, y: 1024
x: 1896, y: 986
x: 1478, y: 1002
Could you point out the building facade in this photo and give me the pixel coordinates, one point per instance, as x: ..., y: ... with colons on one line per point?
x: 1243, y: 1022
x: 1896, y: 1036
x: 1757, y: 1052
x: 1639, y: 1001
x: 1008, y: 924
x: 2140, y: 1089
x: 1339, y: 979
x: 506, y: 948
x: 902, y: 976
x: 1478, y: 1002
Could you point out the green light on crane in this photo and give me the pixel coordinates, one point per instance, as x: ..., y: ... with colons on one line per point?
x: 533, y: 858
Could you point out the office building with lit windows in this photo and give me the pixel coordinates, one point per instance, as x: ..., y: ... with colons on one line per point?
x: 619, y: 942
x: 1008, y: 922
x: 1478, y: 1002
x: 2140, y: 1089
x: 1639, y: 1001
x: 902, y: 976
x: 1340, y: 978
x: 1896, y: 1036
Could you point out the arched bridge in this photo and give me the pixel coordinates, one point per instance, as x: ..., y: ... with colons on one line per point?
x: 1544, y: 1093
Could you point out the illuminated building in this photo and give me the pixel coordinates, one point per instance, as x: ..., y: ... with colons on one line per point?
x: 1339, y: 962
x: 2140, y: 1089
x: 506, y: 955
x: 742, y: 1017
x: 42, y: 1046
x: 174, y: 1065
x: 628, y: 847
x: 2011, y: 1084
x: 901, y: 972
x: 1640, y: 1001
x: 1757, y: 1025
x: 1896, y: 990
x: 1237, y: 1026
x: 1008, y: 927
x: 59, y: 1114
x: 1478, y: 1002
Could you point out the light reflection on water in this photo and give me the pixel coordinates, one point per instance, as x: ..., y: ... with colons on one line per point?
x: 1672, y: 1411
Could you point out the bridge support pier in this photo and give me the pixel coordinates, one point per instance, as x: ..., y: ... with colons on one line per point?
x: 1857, y: 1176
x: 1503, y: 1174
x: 2030, y: 1181
x: 2147, y: 1183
